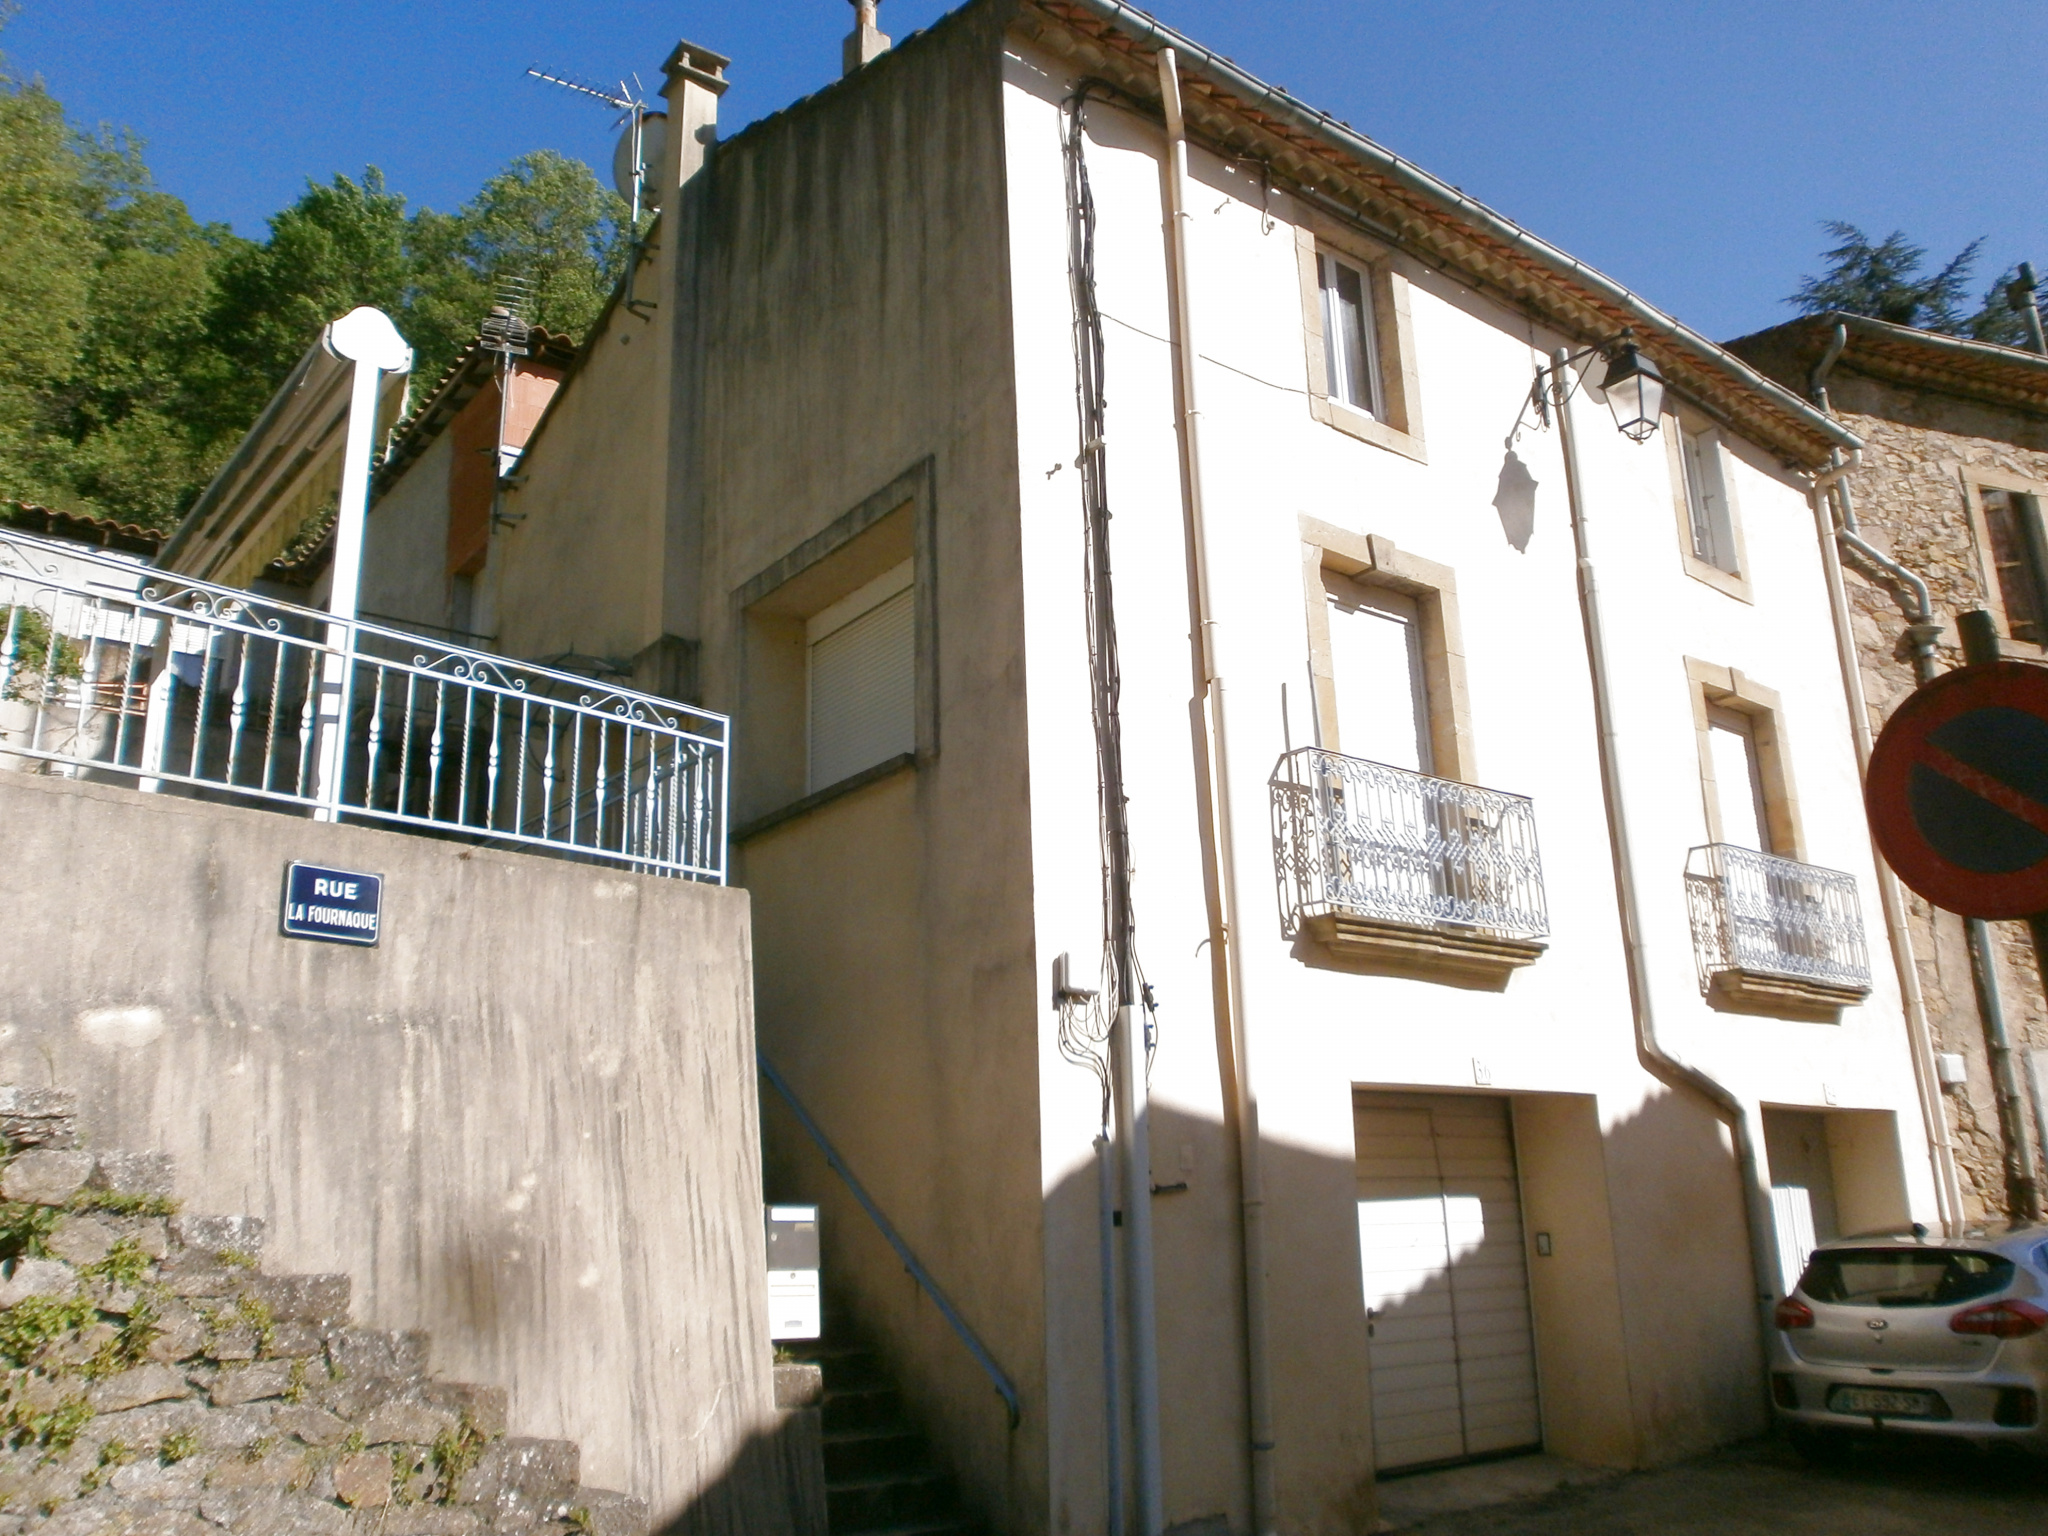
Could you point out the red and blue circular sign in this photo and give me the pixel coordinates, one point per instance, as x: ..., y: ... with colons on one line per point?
x: 1958, y: 791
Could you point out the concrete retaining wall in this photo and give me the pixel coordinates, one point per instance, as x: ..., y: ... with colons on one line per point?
x: 526, y: 1121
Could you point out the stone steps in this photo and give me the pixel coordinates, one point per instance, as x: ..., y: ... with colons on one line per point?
x: 881, y: 1477
x: 156, y: 1380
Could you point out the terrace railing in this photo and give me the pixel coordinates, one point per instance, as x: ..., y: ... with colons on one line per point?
x: 1400, y: 847
x: 116, y: 672
x: 1760, y: 914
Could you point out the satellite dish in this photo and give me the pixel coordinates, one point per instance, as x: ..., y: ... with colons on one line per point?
x: 653, y: 136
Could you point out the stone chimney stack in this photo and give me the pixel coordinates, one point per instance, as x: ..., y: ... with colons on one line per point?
x: 693, y: 80
x: 866, y: 40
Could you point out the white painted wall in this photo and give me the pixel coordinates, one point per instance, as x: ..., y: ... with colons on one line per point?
x: 1562, y: 1026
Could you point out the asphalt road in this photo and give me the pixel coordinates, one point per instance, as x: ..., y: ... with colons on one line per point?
x: 1763, y: 1489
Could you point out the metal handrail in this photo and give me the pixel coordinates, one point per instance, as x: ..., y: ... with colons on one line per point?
x: 1403, y: 847
x: 1759, y: 913
x: 918, y: 1272
x: 110, y: 670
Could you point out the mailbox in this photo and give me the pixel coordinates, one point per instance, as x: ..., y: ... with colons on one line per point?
x: 795, y: 1309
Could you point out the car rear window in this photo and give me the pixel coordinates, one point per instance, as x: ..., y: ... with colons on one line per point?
x: 1904, y: 1277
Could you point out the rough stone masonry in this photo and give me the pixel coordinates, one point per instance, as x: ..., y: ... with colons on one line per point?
x: 154, y: 1380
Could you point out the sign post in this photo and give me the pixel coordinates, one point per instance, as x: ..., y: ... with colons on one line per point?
x: 1957, y: 796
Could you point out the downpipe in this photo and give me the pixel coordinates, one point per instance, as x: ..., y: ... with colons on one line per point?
x: 1134, y: 1136
x: 1245, y: 1102
x: 2023, y: 1192
x: 1656, y: 1058
x: 1112, y: 1373
x: 1921, y: 632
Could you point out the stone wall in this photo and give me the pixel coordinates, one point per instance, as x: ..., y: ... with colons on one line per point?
x: 527, y: 1120
x: 155, y: 1378
x: 1909, y: 496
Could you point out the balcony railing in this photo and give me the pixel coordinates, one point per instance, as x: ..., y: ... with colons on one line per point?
x: 1766, y: 916
x: 1398, y: 847
x: 115, y: 672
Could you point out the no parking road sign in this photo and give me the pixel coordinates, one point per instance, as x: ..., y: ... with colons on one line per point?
x: 1958, y: 791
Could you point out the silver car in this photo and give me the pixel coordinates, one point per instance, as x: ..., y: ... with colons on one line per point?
x: 1922, y: 1335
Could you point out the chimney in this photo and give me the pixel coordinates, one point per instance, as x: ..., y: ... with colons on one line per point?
x: 695, y: 79
x: 865, y: 41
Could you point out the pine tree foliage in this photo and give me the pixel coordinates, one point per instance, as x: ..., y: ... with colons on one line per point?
x: 142, y: 344
x: 1888, y: 280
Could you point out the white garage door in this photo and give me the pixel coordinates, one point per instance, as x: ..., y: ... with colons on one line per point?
x: 1446, y: 1285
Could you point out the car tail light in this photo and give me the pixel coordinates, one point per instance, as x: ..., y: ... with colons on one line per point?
x: 2011, y: 1319
x: 2017, y: 1408
x: 1793, y: 1313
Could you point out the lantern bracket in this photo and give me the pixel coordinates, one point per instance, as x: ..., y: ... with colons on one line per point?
x: 1552, y: 387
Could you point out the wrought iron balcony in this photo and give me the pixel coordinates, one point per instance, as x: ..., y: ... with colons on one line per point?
x: 1774, y: 935
x: 115, y: 672
x: 1377, y: 857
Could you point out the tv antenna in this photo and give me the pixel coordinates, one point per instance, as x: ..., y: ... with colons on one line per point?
x: 632, y: 107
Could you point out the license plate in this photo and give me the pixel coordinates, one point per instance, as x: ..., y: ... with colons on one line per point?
x: 1879, y: 1402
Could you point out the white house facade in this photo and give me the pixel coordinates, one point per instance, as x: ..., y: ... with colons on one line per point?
x: 1195, y: 627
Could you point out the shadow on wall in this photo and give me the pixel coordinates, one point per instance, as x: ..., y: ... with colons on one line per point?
x: 743, y: 1500
x: 1633, y: 1313
x: 1515, y: 500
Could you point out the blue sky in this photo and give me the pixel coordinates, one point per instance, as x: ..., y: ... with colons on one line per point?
x: 1686, y: 149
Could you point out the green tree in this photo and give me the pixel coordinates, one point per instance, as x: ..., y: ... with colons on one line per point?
x: 46, y: 258
x: 340, y: 245
x: 544, y: 224
x: 142, y: 344
x: 1887, y: 280
x: 133, y: 415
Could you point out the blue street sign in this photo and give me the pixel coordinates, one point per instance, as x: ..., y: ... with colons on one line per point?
x: 336, y: 905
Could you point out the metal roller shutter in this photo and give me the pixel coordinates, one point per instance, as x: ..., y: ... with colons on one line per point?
x: 1452, y: 1352
x: 863, y: 680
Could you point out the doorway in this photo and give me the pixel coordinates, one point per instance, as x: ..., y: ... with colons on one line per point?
x: 1451, y: 1344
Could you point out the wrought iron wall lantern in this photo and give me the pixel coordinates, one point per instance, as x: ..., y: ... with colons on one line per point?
x: 1634, y: 390
x: 1633, y: 385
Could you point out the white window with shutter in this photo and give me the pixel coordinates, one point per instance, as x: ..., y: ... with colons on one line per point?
x: 1706, y: 500
x: 861, y: 679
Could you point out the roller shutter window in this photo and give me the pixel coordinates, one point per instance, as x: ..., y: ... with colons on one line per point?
x: 862, y: 679
x: 1376, y: 665
x: 1738, y: 780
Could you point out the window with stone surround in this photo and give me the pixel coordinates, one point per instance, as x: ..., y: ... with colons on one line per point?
x: 1386, y: 653
x: 1360, y: 350
x: 2011, y: 540
x: 1703, y: 494
x: 1745, y: 771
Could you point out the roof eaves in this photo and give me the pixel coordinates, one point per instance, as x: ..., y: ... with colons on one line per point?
x: 1601, y: 304
x: 103, y: 531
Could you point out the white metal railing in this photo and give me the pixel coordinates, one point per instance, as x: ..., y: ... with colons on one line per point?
x: 113, y: 671
x: 1402, y: 847
x: 1756, y: 912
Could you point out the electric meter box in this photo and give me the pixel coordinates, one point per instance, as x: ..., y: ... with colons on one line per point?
x: 795, y: 1309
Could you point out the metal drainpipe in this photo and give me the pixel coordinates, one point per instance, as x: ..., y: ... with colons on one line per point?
x: 1134, y: 1137
x: 1922, y: 631
x: 2023, y: 1191
x: 1251, y: 1171
x: 1756, y: 1202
